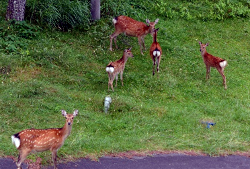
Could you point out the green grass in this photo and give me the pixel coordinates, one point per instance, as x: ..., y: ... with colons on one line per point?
x: 67, y: 71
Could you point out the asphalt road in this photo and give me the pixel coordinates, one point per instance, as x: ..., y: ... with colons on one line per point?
x: 169, y: 161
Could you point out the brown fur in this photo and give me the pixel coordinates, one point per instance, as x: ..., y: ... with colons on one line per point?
x: 38, y: 140
x: 131, y: 27
x: 118, y: 66
x: 212, y: 61
x: 155, y: 46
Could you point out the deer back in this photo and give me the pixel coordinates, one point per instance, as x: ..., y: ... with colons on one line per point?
x: 40, y: 139
x: 131, y: 27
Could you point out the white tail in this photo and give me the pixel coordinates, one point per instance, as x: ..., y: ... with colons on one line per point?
x: 37, y: 140
x: 15, y: 141
x: 114, y: 68
x: 213, y: 61
x: 223, y: 63
x: 131, y: 27
x: 110, y: 69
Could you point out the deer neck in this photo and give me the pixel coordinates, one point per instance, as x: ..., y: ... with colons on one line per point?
x: 124, y: 58
x: 204, y: 53
x: 66, y: 130
x: 155, y: 37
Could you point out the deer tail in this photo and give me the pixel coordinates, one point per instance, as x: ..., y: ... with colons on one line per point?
x: 16, y: 140
x: 110, y: 69
x: 223, y: 63
x: 156, y: 53
x: 115, y: 20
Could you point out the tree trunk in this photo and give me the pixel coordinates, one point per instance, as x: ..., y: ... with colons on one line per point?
x: 95, y: 9
x: 16, y: 10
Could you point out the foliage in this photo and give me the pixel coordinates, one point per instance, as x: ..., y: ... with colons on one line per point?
x: 3, y: 8
x: 61, y: 14
x: 135, y: 8
x: 204, y: 10
x: 14, y: 35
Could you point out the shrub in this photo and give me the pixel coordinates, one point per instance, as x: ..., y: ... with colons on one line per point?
x: 14, y: 35
x: 205, y: 10
x: 62, y: 14
x: 134, y: 8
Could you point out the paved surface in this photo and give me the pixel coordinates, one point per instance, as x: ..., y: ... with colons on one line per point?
x: 170, y: 161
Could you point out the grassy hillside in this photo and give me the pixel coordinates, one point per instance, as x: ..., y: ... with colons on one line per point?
x: 66, y: 70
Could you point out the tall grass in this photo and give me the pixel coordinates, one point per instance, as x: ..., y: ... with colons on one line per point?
x: 61, y: 14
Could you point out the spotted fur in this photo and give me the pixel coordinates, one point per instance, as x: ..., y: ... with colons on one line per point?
x: 38, y: 140
x: 131, y: 27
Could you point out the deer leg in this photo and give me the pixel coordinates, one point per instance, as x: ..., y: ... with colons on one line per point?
x: 158, y: 63
x: 114, y: 36
x: 116, y: 77
x: 140, y: 43
x: 111, y: 39
x: 208, y: 72
x: 54, y: 154
x: 221, y: 71
x: 109, y: 84
x: 22, y: 156
x: 115, y: 42
x: 143, y: 43
x: 111, y: 79
x: 153, y: 66
x: 121, y: 77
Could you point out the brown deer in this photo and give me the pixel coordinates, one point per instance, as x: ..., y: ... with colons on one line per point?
x: 131, y: 27
x: 38, y: 140
x: 155, y: 51
x: 114, y: 68
x: 213, y: 61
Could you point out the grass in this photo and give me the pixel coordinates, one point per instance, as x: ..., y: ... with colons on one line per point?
x: 66, y: 70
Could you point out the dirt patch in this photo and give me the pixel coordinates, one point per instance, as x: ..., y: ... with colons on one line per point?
x: 132, y: 154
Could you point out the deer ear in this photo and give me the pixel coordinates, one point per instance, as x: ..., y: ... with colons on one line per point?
x: 207, y: 44
x: 64, y: 113
x: 200, y: 43
x: 75, y: 113
x: 148, y: 21
x: 156, y: 21
x: 130, y: 48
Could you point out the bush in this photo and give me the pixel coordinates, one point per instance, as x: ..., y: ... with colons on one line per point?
x: 136, y: 8
x: 14, y: 35
x: 205, y: 10
x: 61, y: 14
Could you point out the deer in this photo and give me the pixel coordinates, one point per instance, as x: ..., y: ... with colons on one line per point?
x: 114, y: 68
x: 213, y: 61
x: 131, y: 27
x: 155, y: 51
x: 39, y: 140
